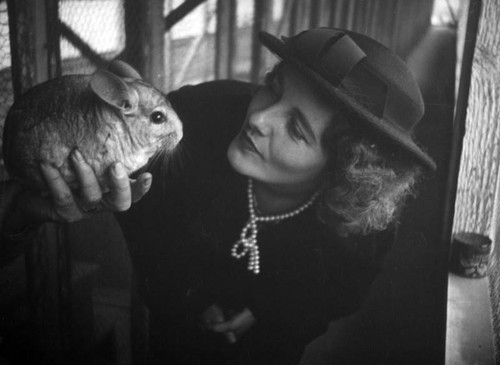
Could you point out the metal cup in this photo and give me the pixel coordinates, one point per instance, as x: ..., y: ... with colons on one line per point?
x: 470, y: 254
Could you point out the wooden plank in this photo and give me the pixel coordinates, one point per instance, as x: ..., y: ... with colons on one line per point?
x: 169, y: 54
x: 283, y: 26
x: 262, y: 15
x: 325, y: 10
x: 315, y: 13
x: 155, y: 57
x: 338, y: 18
x: 349, y: 12
x: 27, y: 62
x: 177, y: 14
x: 469, y: 339
x: 35, y: 58
x: 303, y: 16
x: 292, y: 19
x: 144, y: 45
x: 53, y: 38
x: 225, y: 38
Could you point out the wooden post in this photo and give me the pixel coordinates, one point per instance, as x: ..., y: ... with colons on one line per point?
x: 36, y: 58
x: 315, y: 14
x: 27, y: 51
x: 479, y: 160
x: 144, y: 45
x: 261, y: 22
x: 53, y: 37
x: 225, y: 38
x: 337, y: 16
x: 303, y: 21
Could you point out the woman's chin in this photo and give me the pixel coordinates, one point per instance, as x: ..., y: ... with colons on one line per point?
x: 240, y: 161
x: 237, y: 160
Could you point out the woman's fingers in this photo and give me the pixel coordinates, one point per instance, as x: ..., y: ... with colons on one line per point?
x: 141, y: 186
x: 120, y: 196
x: 213, y: 316
x: 89, y: 188
x: 230, y: 336
x: 63, y: 205
x: 236, y: 325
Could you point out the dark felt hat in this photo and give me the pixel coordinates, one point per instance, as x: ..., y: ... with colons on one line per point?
x: 364, y: 75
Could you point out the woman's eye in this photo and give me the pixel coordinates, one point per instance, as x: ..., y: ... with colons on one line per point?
x: 296, y: 132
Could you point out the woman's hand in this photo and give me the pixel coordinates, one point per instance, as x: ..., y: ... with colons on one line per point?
x: 61, y: 204
x: 233, y: 327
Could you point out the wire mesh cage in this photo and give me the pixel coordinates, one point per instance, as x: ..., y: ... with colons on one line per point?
x: 6, y: 92
x: 92, y: 32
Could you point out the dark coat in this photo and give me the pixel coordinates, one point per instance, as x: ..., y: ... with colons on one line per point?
x: 181, y: 233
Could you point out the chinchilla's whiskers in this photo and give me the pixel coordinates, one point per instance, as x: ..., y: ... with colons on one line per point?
x: 153, y: 159
x: 167, y: 155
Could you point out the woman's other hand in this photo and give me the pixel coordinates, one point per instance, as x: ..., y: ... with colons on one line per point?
x: 233, y: 327
x: 61, y: 204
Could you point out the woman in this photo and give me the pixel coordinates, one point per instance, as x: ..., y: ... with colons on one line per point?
x: 259, y: 232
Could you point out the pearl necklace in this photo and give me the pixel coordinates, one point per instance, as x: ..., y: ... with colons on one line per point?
x: 247, y: 244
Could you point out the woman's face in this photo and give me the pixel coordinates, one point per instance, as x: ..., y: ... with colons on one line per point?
x: 280, y: 141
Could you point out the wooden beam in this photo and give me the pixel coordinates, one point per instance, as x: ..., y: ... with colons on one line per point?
x: 87, y: 51
x: 315, y: 14
x: 284, y: 22
x: 339, y: 13
x: 303, y: 15
x: 26, y: 52
x: 292, y: 19
x: 144, y: 45
x: 53, y: 38
x: 180, y: 12
x: 155, y: 59
x: 262, y: 15
x: 225, y: 38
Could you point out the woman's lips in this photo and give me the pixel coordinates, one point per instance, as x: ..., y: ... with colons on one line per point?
x: 249, y: 143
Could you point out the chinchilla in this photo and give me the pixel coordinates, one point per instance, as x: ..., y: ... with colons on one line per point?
x: 109, y: 116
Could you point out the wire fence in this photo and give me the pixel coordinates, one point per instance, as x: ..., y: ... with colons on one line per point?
x: 6, y: 91
x: 98, y: 26
x: 90, y: 29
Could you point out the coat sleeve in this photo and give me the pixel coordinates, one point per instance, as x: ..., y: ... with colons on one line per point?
x: 390, y: 327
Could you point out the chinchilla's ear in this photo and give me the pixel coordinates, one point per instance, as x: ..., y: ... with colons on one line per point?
x: 123, y: 69
x: 114, y: 91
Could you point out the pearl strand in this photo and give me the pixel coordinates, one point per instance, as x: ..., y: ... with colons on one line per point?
x: 247, y: 244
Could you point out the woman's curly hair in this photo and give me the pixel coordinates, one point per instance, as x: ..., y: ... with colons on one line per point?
x: 368, y: 181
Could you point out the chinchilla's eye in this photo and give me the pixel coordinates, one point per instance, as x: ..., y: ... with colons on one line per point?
x: 158, y: 117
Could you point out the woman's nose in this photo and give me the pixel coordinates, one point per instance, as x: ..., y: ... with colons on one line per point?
x: 261, y: 121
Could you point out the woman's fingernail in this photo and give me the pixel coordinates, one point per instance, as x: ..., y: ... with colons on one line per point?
x: 119, y: 170
x: 46, y: 166
x: 77, y: 156
x: 146, y: 181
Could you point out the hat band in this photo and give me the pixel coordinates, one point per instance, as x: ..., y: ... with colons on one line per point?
x: 337, y: 68
x: 339, y: 61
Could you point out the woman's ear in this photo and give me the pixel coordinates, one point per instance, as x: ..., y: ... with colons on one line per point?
x: 114, y: 91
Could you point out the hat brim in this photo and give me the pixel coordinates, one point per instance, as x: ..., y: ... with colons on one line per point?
x: 379, y: 124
